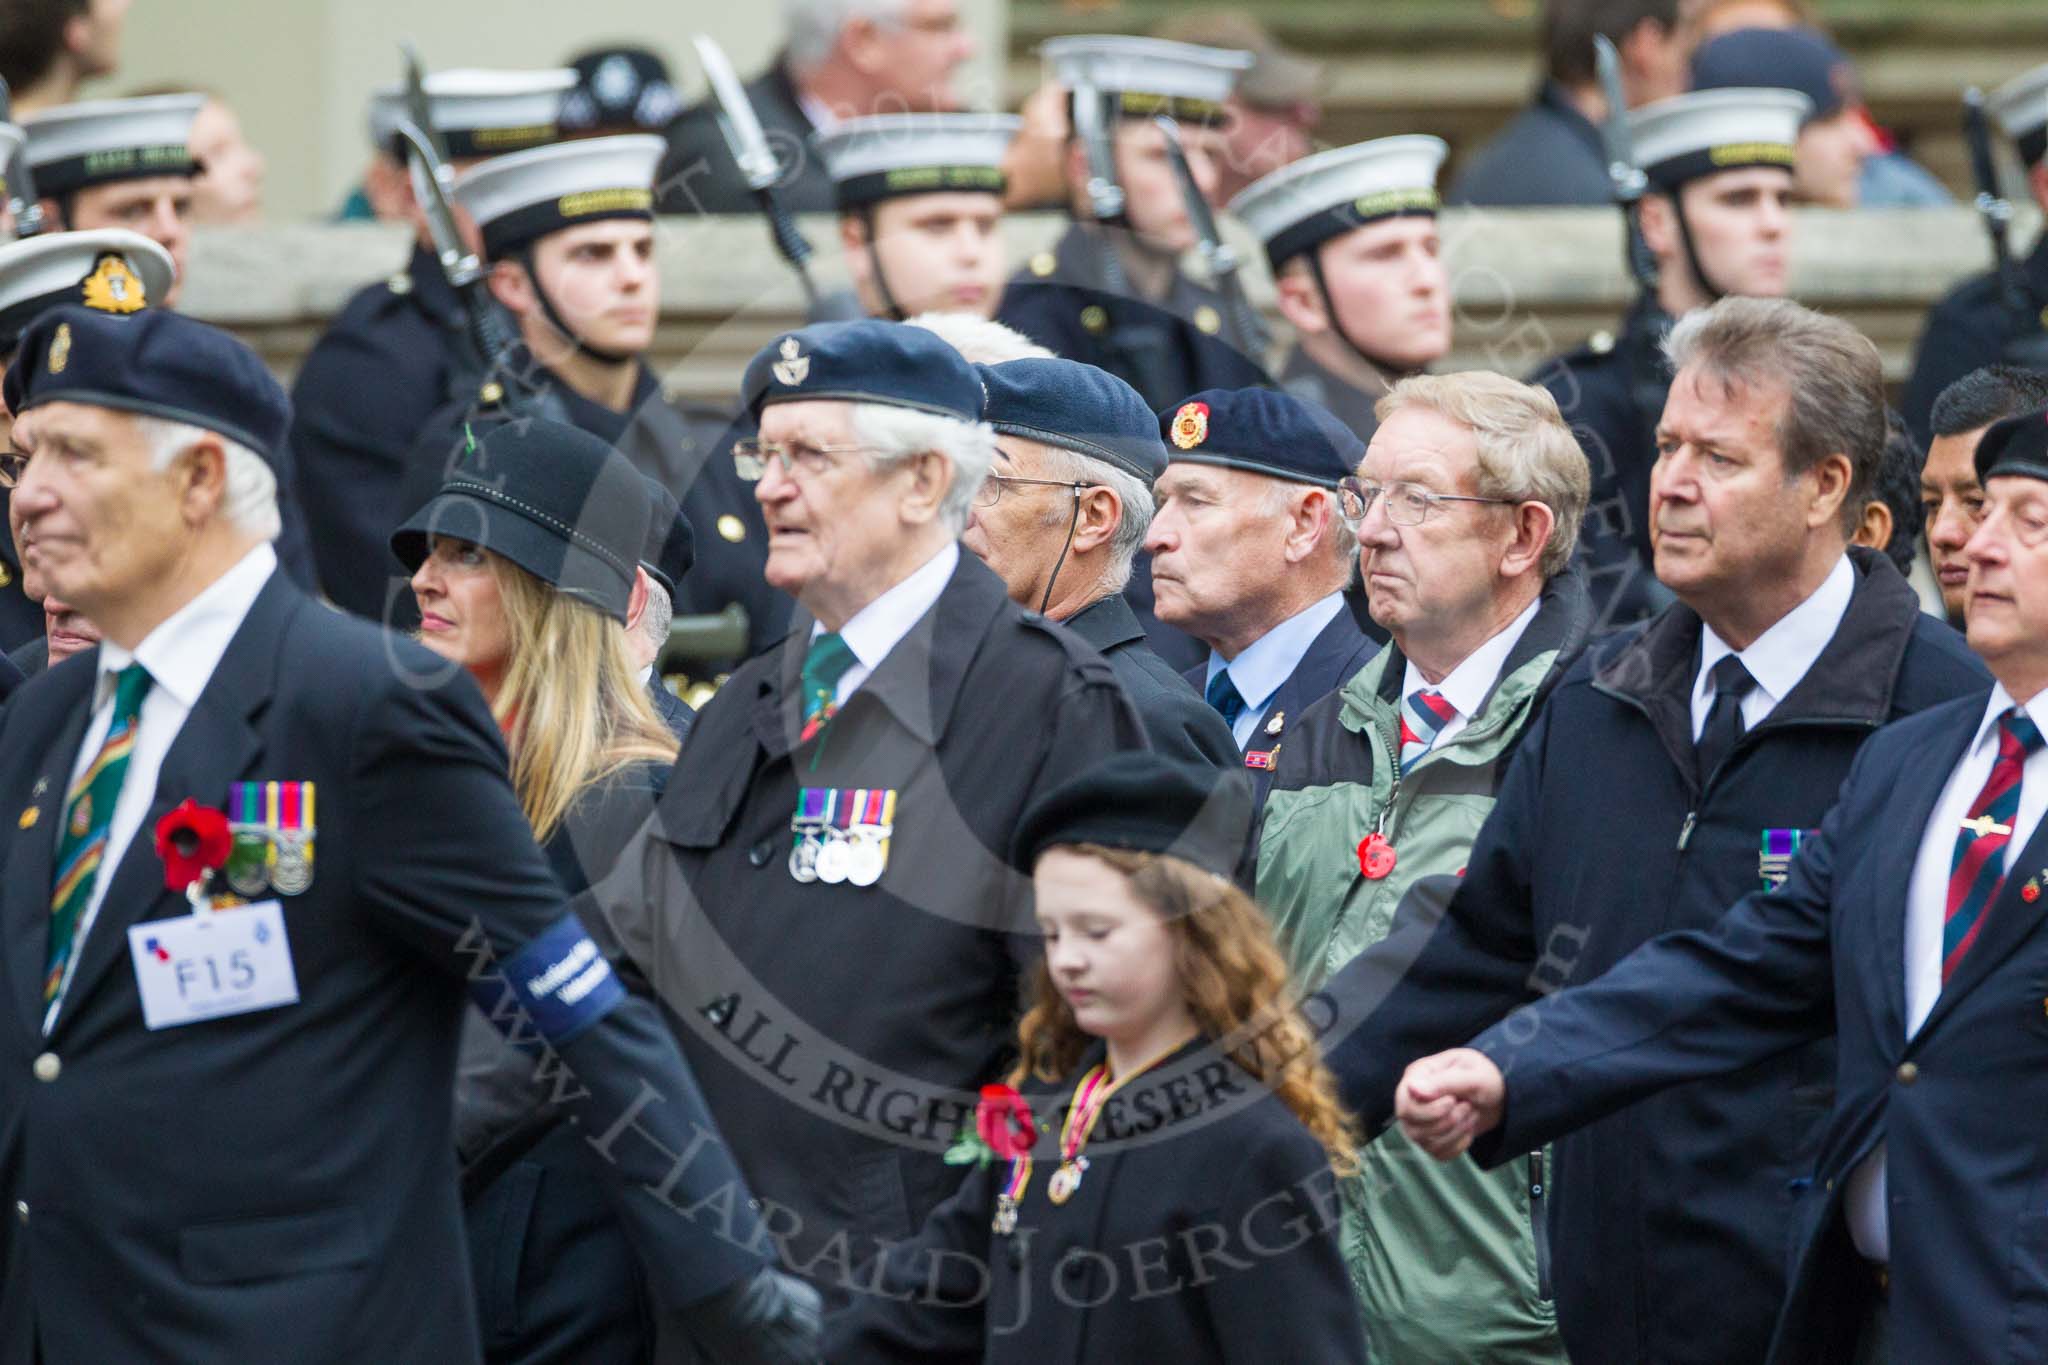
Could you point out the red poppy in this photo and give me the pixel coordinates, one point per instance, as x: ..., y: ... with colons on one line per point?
x: 1004, y: 1121
x: 193, y: 840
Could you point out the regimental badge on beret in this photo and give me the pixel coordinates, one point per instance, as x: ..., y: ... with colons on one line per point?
x: 60, y: 348
x: 113, y: 287
x: 794, y: 367
x: 1191, y: 425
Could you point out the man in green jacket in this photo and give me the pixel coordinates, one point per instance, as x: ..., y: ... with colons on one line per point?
x: 1467, y: 509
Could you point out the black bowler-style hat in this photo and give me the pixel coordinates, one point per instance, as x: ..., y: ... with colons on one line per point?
x: 553, y: 499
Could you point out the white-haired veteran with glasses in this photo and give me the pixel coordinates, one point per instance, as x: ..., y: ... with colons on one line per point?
x: 1467, y: 508
x: 824, y: 900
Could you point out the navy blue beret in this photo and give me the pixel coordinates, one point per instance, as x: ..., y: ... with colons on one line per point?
x: 1146, y: 802
x: 1076, y: 407
x: 2015, y: 445
x: 671, y: 540
x: 1263, y: 431
x: 869, y: 361
x: 155, y: 363
x: 555, y: 500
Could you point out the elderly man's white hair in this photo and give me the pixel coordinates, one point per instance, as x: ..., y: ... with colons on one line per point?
x: 250, y: 499
x: 889, y: 435
x: 982, y: 340
x: 814, y: 25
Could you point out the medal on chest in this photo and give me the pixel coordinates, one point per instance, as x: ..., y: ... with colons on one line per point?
x: 841, y: 835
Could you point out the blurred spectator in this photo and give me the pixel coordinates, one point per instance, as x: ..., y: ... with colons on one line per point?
x: 844, y: 59
x: 47, y: 47
x: 1885, y: 177
x: 1270, y: 118
x: 228, y: 190
x: 1551, y: 152
x: 619, y: 90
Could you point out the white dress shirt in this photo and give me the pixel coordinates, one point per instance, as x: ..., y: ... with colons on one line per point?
x: 180, y: 654
x: 1465, y: 687
x: 1267, y: 662
x: 1779, y: 657
x: 1927, y: 915
x: 880, y: 626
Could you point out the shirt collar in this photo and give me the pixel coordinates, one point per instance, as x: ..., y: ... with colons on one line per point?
x: 1781, y: 656
x: 879, y: 626
x: 2002, y: 702
x: 183, y: 650
x: 1466, y: 686
x: 1270, y: 660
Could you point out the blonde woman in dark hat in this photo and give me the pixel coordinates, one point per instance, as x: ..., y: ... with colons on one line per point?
x: 526, y: 568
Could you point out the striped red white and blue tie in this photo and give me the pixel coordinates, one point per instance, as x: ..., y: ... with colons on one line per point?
x: 1978, y: 868
x: 1423, y: 716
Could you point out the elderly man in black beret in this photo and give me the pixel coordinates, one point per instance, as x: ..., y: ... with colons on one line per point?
x: 227, y: 1066
x: 1061, y: 516
x: 824, y: 895
x: 1251, y: 556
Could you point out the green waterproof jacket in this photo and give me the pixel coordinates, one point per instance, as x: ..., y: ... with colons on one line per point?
x: 1451, y: 1263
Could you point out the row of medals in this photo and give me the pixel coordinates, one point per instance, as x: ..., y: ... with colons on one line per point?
x: 838, y: 855
x: 266, y: 859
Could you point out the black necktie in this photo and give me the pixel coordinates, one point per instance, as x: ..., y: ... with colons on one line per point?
x: 1724, y: 726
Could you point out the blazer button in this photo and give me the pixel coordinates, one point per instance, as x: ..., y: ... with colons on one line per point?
x: 762, y: 853
x: 1908, y: 1073
x: 47, y: 1067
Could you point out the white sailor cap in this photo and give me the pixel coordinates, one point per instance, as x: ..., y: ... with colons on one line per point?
x: 109, y: 269
x: 1304, y: 204
x: 524, y: 195
x: 2021, y: 107
x: 1149, y: 75
x: 73, y: 146
x: 1688, y: 136
x: 887, y: 155
x: 479, y: 113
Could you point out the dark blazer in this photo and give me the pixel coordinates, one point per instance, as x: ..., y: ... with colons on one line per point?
x: 1604, y: 835
x: 362, y: 396
x: 32, y: 658
x: 839, y: 1030
x: 1339, y: 650
x: 281, y: 1184
x: 1957, y: 1106
x: 1208, y: 1234
x: 698, y: 174
x: 1176, y: 719
x: 11, y: 677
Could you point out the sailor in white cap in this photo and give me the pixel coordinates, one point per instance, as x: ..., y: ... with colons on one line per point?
x: 1111, y: 292
x: 1716, y: 220
x: 1351, y: 236
x: 1989, y: 320
x: 568, y: 231
x: 921, y: 210
x: 113, y: 271
x: 118, y: 163
x: 401, y: 339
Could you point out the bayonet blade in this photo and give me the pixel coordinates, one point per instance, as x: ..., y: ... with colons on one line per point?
x: 1623, y: 174
x: 737, y: 122
x: 458, y: 264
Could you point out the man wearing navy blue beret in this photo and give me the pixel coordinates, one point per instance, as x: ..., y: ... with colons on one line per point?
x: 1251, y: 555
x: 263, y: 847
x: 1061, y: 517
x: 825, y: 898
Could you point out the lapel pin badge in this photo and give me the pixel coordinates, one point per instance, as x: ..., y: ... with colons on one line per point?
x: 29, y: 817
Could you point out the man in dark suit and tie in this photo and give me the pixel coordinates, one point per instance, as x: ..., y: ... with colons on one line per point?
x: 228, y: 1036
x: 1251, y: 555
x: 1910, y: 927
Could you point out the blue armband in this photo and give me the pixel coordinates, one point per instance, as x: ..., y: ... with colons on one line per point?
x: 561, y: 981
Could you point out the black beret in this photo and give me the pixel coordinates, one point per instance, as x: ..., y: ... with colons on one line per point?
x: 553, y: 499
x: 868, y: 361
x: 1265, y: 432
x: 155, y: 363
x: 1076, y: 407
x: 2015, y: 446
x: 620, y: 89
x: 671, y: 541
x: 1146, y: 802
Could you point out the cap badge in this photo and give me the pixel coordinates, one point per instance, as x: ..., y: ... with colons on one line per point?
x: 794, y: 367
x: 113, y: 288
x: 1191, y: 425
x: 60, y: 348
